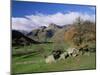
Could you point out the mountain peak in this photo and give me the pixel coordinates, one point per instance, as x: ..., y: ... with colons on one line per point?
x: 54, y: 26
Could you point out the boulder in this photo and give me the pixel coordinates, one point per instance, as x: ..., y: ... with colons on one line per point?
x: 50, y: 59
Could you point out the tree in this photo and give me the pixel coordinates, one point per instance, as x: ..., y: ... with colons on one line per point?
x: 78, y: 37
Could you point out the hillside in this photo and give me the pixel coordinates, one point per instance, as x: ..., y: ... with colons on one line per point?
x: 19, y: 38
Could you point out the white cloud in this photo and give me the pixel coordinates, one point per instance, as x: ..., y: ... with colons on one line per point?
x: 30, y: 22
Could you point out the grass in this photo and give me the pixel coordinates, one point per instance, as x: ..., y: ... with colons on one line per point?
x: 34, y: 62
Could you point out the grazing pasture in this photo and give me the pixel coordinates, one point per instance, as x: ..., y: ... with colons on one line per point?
x: 31, y: 59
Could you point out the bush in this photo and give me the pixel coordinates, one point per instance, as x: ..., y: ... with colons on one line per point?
x: 92, y: 47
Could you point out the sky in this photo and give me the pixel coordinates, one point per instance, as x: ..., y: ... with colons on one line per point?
x: 31, y: 15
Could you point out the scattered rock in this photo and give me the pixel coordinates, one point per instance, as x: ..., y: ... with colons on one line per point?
x: 50, y: 59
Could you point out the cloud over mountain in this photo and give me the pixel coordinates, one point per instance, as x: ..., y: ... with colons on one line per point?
x: 30, y: 22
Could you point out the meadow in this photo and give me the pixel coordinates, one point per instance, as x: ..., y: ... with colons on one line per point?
x: 31, y: 59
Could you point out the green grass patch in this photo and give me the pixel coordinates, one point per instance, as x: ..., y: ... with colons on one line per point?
x: 38, y: 64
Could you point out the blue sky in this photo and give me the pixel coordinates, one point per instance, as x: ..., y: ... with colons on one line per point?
x: 22, y: 8
x: 31, y: 15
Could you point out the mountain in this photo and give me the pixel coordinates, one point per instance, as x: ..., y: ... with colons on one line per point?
x: 23, y: 32
x: 74, y: 34
x: 19, y: 38
x: 59, y: 35
x: 44, y: 34
x: 54, y: 27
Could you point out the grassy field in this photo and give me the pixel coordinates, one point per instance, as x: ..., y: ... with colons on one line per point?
x: 30, y: 59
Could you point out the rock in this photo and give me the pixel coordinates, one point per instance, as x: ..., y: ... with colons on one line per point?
x: 57, y: 53
x: 63, y: 56
x: 50, y: 59
x: 72, y: 52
